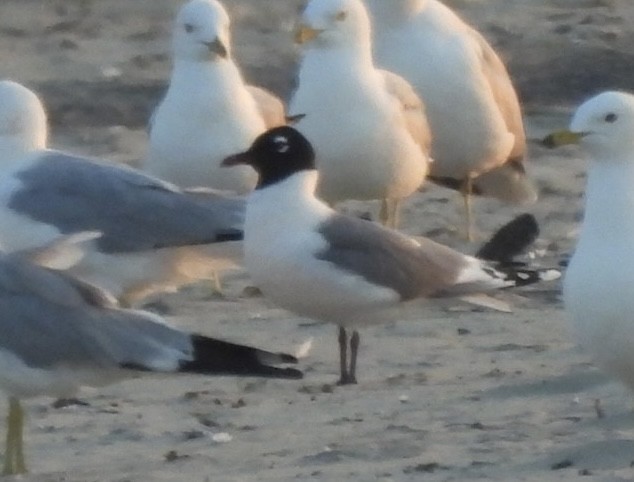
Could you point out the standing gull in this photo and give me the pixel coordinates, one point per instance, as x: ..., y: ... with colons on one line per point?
x: 599, y: 281
x: 478, y: 140
x: 59, y: 334
x: 208, y: 112
x: 155, y: 237
x: 367, y: 125
x: 324, y: 265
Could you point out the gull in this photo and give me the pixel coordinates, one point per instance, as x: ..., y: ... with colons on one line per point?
x: 321, y: 264
x: 599, y: 280
x: 59, y: 334
x: 478, y: 139
x: 208, y: 111
x: 368, y: 126
x: 154, y: 236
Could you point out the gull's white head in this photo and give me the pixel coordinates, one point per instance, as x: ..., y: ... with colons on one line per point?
x: 605, y: 126
x: 23, y: 124
x: 335, y: 23
x: 201, y: 32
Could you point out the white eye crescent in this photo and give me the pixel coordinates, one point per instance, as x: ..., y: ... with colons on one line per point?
x: 281, y: 143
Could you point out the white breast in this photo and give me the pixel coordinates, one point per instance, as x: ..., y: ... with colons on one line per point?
x: 444, y: 64
x: 280, y: 247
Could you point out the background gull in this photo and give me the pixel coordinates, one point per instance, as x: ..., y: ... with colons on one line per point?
x: 367, y: 125
x: 208, y: 112
x: 600, y: 276
x: 59, y: 334
x: 154, y: 237
x: 324, y: 265
x: 478, y: 140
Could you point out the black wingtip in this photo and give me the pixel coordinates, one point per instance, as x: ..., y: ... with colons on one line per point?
x: 218, y: 357
x: 230, y: 235
x: 510, y: 240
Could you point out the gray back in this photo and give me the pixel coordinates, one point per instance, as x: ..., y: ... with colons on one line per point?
x: 390, y: 259
x: 48, y: 319
x: 135, y: 212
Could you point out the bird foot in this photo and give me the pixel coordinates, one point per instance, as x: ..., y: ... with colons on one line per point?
x: 347, y: 380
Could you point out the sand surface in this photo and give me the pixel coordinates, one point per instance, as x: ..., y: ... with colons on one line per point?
x: 447, y: 391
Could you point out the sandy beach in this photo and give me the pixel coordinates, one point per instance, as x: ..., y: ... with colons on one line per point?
x: 448, y: 391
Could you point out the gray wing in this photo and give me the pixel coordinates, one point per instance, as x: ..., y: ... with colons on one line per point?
x: 49, y: 319
x: 133, y: 211
x: 52, y: 321
x: 390, y: 259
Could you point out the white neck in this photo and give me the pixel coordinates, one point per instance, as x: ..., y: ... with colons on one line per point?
x: 193, y: 75
x: 211, y: 92
x: 15, y: 149
x: 610, y: 202
x: 337, y: 62
x: 290, y: 202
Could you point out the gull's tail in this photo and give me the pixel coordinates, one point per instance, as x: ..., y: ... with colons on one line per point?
x: 217, y: 357
x: 510, y: 240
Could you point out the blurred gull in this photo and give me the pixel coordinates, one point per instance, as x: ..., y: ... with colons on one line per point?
x: 368, y: 126
x: 478, y: 140
x: 59, y: 334
x: 154, y: 237
x: 599, y: 281
x: 208, y: 112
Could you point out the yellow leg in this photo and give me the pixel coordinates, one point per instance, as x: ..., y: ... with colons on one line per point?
x: 8, y: 448
x: 384, y: 213
x: 14, y: 452
x: 395, y: 212
x: 389, y: 214
x: 467, y: 191
x: 217, y: 282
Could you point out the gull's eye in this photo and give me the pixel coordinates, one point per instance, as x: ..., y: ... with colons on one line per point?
x: 189, y: 28
x: 341, y: 16
x: 281, y: 144
x: 611, y: 117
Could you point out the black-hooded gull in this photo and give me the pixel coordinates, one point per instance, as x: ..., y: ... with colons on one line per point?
x: 154, y: 236
x: 208, y: 111
x: 599, y: 282
x: 478, y: 140
x: 59, y: 334
x: 311, y: 260
x: 367, y: 125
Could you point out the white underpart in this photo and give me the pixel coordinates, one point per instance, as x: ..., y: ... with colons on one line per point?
x: 358, y: 130
x: 19, y: 379
x: 435, y: 50
x: 599, y: 281
x: 280, y: 247
x: 208, y: 112
x: 206, y: 116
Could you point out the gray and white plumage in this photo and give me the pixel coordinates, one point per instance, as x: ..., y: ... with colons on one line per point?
x: 59, y: 334
x: 134, y: 212
x: 208, y: 111
x: 368, y: 125
x: 311, y: 260
x: 154, y: 236
x: 599, y: 280
x: 471, y: 104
